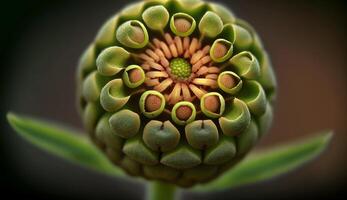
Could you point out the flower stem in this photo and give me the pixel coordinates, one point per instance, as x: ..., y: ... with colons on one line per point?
x: 159, y: 191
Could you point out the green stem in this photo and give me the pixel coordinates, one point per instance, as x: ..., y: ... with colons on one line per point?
x: 160, y: 191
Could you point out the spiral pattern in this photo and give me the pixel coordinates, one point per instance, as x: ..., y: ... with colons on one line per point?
x: 177, y: 91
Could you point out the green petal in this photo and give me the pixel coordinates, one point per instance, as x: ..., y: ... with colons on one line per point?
x: 125, y: 123
x: 246, y: 65
x: 130, y: 166
x: 112, y: 60
x: 221, y: 153
x: 114, y: 95
x: 106, y: 35
x: 267, y: 78
x: 91, y: 86
x: 264, y: 165
x: 132, y: 11
x: 243, y: 38
x: 91, y: 115
x: 62, y: 142
x: 156, y: 17
x: 235, y: 119
x: 195, y: 8
x: 207, y: 112
x: 225, y: 14
x: 247, y: 139
x: 265, y: 120
x: 161, y: 136
x: 182, y: 157
x: 228, y: 33
x: 253, y: 95
x: 128, y: 35
x: 201, y: 134
x: 137, y: 150
x: 86, y: 63
x: 210, y: 24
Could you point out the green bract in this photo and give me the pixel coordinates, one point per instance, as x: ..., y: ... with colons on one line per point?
x: 177, y: 91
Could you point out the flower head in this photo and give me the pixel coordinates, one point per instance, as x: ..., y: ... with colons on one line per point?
x: 177, y: 91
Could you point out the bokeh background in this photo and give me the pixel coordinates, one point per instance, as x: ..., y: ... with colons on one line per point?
x: 41, y: 41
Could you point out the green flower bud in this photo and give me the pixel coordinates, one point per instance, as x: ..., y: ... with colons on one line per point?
x: 161, y: 136
x: 151, y: 75
x: 113, y: 95
x: 183, y: 113
x: 125, y: 123
x: 112, y: 60
x: 246, y: 65
x: 132, y: 34
x: 152, y: 103
x: 156, y: 17
x: 210, y: 24
x: 133, y: 76
x: 221, y: 50
x: 229, y: 82
x: 243, y: 38
x: 182, y: 24
x: 201, y: 134
x: 212, y: 104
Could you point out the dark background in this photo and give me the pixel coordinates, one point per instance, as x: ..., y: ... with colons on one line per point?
x: 41, y: 41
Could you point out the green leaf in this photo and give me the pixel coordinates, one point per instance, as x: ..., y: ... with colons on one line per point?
x: 63, y: 142
x: 267, y: 164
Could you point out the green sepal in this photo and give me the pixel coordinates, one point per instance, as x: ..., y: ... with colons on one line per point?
x: 182, y: 157
x: 222, y: 152
x: 90, y: 115
x: 246, y: 65
x: 161, y: 136
x: 202, y: 134
x: 228, y: 33
x: 138, y: 151
x: 161, y: 172
x: 125, y: 123
x: 104, y: 133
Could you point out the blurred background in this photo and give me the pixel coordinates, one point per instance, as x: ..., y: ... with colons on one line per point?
x: 41, y: 41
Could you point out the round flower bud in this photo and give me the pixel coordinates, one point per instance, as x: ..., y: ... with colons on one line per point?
x: 152, y: 103
x: 176, y: 91
x: 212, y: 104
x: 156, y: 17
x: 133, y: 76
x: 183, y: 113
x: 182, y: 24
